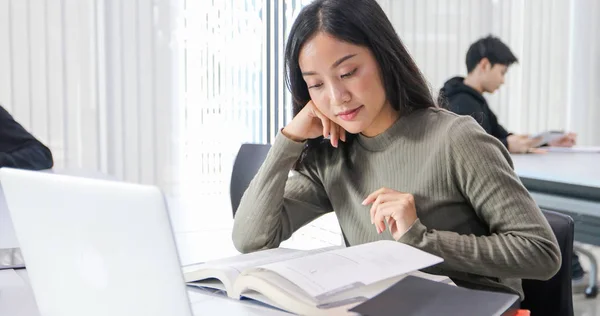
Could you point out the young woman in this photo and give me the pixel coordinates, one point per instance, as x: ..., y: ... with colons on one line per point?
x: 368, y: 143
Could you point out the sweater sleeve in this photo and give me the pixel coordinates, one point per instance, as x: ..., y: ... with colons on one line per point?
x: 33, y: 156
x: 521, y: 243
x: 275, y: 205
x: 20, y: 149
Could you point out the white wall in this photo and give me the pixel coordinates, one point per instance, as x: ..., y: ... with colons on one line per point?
x: 94, y: 80
x: 554, y: 85
x: 584, y: 70
x: 99, y: 80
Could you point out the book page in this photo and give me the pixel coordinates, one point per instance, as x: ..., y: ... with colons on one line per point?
x: 211, y: 285
x: 323, y: 275
x: 239, y: 262
x: 233, y: 266
x: 272, y: 289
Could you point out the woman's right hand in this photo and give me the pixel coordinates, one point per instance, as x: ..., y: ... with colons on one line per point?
x: 311, y: 123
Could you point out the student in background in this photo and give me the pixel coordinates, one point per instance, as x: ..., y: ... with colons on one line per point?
x: 18, y: 148
x: 488, y: 60
x: 368, y: 143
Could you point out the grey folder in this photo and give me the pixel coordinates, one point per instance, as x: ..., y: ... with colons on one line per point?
x: 414, y: 296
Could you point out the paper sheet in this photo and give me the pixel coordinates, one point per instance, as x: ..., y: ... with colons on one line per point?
x: 235, y: 265
x: 326, y: 274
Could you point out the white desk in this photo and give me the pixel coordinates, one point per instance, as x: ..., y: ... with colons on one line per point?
x: 16, y: 299
x: 568, y: 183
x: 569, y: 168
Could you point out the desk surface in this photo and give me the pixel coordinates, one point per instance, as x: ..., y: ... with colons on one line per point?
x: 568, y: 183
x: 16, y: 299
x: 569, y: 168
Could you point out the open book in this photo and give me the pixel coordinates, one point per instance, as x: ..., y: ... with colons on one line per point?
x: 316, y: 282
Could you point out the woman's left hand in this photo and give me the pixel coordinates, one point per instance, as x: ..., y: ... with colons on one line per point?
x: 397, y: 209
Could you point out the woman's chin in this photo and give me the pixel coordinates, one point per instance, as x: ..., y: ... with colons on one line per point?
x: 353, y: 127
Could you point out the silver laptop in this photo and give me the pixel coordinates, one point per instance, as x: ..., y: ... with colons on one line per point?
x: 95, y: 247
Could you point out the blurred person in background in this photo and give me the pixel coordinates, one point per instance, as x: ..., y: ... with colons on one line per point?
x: 488, y: 60
x: 20, y: 149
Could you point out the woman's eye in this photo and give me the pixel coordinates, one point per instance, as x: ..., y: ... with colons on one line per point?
x: 349, y: 74
x: 315, y: 86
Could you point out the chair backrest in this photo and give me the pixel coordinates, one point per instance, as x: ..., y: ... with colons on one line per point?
x: 554, y: 296
x: 247, y: 162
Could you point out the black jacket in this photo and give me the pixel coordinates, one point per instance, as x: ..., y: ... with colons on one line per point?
x: 464, y: 100
x: 18, y: 148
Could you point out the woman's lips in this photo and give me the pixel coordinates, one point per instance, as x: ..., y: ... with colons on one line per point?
x: 350, y: 115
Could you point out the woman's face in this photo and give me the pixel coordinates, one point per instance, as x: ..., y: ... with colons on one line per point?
x: 345, y: 84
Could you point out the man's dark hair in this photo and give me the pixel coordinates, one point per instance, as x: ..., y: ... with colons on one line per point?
x: 493, y: 49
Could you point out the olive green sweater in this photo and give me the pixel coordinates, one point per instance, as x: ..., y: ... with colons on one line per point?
x: 473, y: 210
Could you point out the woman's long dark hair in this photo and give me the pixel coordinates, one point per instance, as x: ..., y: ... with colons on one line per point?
x: 362, y: 23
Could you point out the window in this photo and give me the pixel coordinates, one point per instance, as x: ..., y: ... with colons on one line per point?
x: 231, y: 98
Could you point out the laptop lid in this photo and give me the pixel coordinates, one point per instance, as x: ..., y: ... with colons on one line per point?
x: 10, y: 253
x: 95, y: 247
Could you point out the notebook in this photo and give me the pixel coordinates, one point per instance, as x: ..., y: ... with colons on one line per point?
x: 414, y: 296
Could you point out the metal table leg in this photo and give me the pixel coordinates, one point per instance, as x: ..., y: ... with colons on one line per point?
x: 592, y: 290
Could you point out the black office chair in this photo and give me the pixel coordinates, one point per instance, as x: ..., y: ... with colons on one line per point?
x: 247, y: 162
x: 554, y: 296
